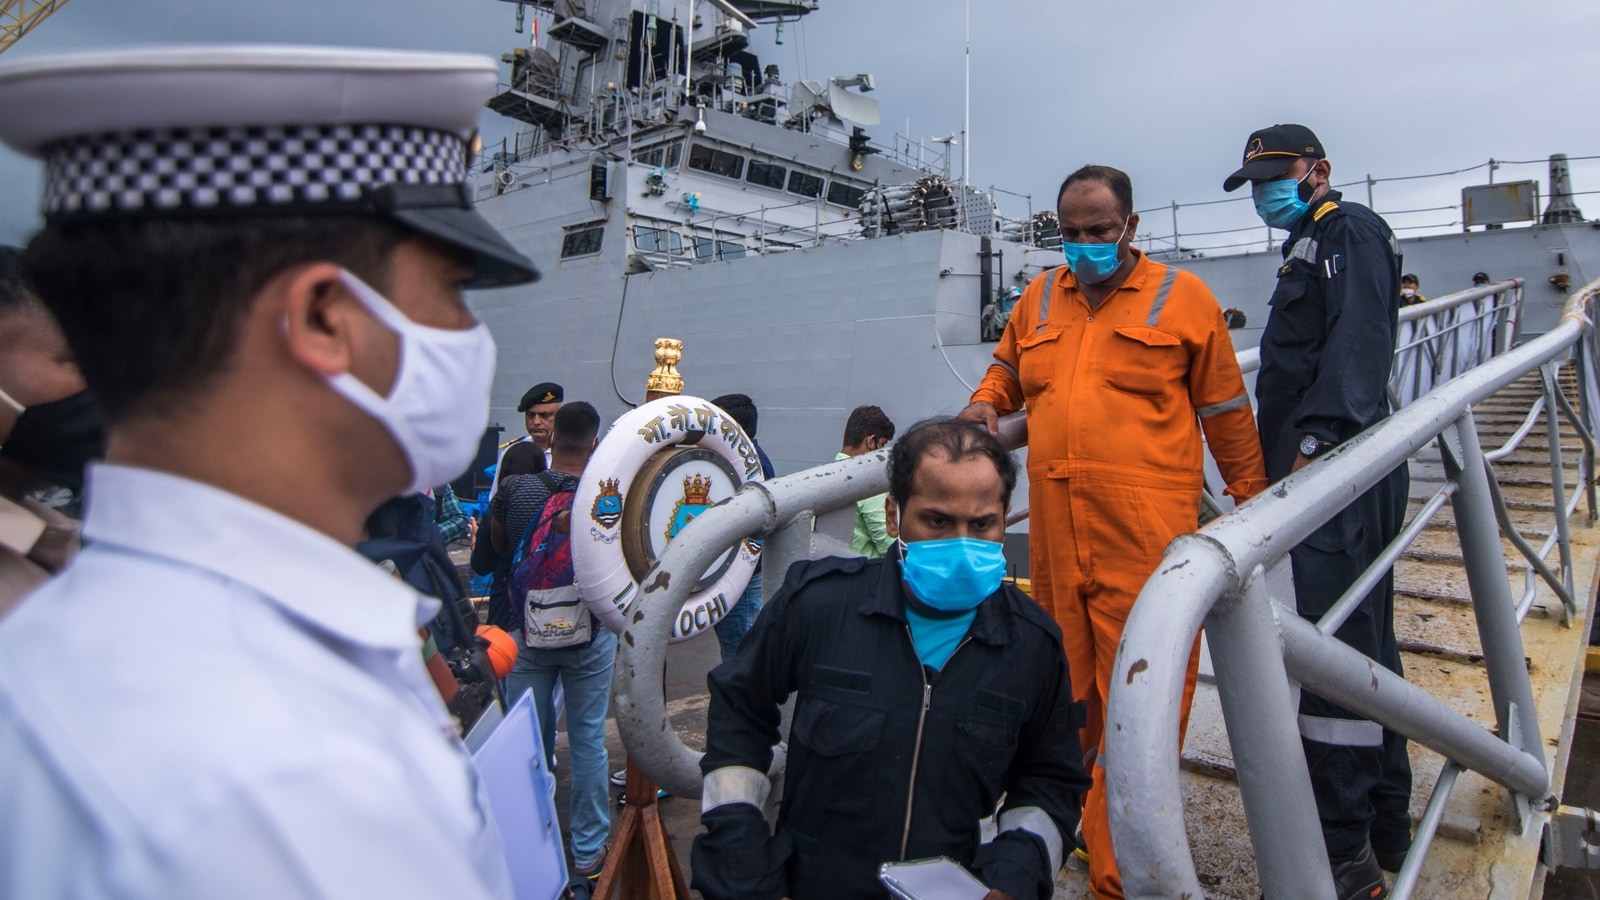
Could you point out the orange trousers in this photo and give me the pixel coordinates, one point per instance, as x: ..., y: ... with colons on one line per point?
x: 1092, y: 546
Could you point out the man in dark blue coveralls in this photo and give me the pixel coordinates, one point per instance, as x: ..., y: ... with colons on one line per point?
x: 1325, y: 358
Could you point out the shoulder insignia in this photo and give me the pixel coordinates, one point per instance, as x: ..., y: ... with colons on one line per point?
x: 1323, y: 210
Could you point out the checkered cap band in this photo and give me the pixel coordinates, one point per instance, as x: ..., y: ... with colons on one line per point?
x: 232, y: 169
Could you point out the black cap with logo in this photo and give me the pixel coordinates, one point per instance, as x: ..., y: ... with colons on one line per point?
x: 1272, y: 150
x: 543, y: 392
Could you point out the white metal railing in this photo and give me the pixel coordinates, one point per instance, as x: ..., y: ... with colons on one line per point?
x: 1219, y: 578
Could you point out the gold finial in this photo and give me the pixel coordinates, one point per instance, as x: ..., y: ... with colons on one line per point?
x: 665, y: 379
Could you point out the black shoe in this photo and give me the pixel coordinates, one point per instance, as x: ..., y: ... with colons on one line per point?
x: 1359, y: 878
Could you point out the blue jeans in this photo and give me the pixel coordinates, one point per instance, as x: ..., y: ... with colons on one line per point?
x: 585, y: 674
x: 732, y: 627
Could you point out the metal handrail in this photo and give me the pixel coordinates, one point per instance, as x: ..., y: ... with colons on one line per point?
x: 1216, y: 578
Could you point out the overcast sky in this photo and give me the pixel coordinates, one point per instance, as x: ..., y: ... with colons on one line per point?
x: 1167, y: 91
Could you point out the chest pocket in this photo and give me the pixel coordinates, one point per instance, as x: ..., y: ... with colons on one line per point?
x: 836, y: 729
x: 1144, y: 360
x: 1297, y: 314
x: 1291, y: 287
x: 1036, y: 362
x: 986, y: 745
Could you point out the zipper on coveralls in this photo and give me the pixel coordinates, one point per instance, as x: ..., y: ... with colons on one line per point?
x: 916, y: 749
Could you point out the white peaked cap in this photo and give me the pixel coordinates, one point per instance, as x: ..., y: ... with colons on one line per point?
x: 241, y: 130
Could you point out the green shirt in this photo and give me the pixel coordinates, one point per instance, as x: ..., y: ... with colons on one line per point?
x: 871, y: 536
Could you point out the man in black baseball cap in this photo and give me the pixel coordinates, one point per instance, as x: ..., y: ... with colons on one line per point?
x: 1325, y: 360
x: 1271, y: 151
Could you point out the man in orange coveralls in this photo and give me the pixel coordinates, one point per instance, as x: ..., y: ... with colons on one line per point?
x: 1121, y: 362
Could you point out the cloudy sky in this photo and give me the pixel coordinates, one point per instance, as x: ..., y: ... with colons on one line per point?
x: 1166, y: 90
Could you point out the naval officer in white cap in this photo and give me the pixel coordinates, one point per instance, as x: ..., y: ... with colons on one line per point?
x: 257, y: 255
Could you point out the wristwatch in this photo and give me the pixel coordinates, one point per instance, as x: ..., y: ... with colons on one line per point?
x: 1311, y: 445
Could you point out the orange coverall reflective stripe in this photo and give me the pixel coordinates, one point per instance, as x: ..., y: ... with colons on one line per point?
x: 1117, y: 397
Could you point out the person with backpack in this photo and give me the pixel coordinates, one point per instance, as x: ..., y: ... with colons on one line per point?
x: 561, y: 639
x: 494, y: 559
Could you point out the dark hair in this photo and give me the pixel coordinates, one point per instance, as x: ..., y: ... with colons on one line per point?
x: 521, y: 458
x: 865, y: 422
x: 741, y: 408
x: 1410, y: 277
x: 154, y: 308
x: 1117, y: 180
x: 14, y: 292
x: 576, y: 426
x: 954, y: 439
x: 1480, y: 276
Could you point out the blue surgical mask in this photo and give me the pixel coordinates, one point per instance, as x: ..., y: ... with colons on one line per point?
x: 1094, y: 263
x: 953, y: 574
x: 1282, y: 203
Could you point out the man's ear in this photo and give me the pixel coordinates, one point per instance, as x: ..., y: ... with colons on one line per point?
x: 320, y: 317
x: 891, y: 521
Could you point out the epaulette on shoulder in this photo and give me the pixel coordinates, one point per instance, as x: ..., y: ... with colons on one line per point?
x: 1324, y: 210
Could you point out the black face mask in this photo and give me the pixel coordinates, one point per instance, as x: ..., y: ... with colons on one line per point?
x: 56, y: 440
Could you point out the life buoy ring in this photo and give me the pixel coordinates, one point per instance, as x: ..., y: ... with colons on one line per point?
x: 657, y: 468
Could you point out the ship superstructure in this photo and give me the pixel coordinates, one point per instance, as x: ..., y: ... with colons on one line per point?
x: 671, y: 183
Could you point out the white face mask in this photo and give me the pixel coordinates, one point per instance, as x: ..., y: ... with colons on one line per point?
x: 439, y: 404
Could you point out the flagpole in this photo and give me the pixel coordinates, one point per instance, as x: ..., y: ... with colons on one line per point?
x: 966, y: 119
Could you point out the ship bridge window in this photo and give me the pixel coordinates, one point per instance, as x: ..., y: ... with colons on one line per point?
x: 843, y: 194
x: 706, y: 248
x: 582, y: 240
x: 717, y: 162
x: 657, y: 240
x: 766, y: 175
x: 804, y: 184
x: 666, y: 156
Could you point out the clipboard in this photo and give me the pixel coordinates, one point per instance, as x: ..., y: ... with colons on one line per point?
x: 940, y: 878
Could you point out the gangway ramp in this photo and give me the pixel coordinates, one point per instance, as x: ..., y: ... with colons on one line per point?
x: 1477, y: 853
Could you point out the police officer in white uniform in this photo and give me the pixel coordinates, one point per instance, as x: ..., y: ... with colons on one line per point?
x: 257, y: 255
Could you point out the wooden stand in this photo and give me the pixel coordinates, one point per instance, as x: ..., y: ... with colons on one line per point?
x: 642, y: 861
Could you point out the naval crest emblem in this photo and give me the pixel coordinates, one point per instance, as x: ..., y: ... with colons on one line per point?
x: 1252, y: 149
x: 696, y: 500
x: 607, y: 509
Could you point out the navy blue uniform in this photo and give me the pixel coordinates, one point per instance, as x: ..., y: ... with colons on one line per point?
x: 875, y: 732
x: 1325, y: 360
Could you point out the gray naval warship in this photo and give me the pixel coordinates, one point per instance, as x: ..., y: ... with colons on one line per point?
x: 668, y: 183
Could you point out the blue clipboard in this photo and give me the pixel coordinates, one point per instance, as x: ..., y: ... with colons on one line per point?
x: 522, y: 795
